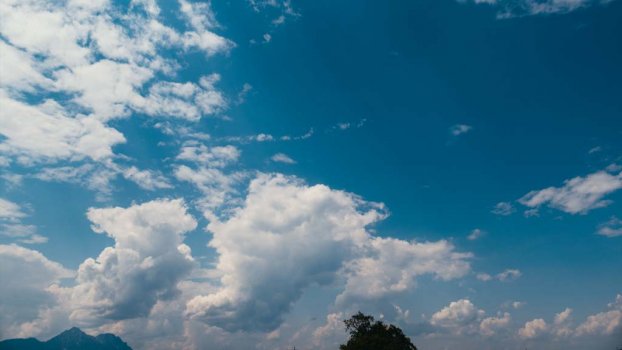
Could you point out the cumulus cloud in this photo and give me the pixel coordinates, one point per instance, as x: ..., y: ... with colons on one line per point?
x: 533, y: 329
x: 288, y: 236
x: 491, y: 325
x: 27, y: 289
x: 145, y: 265
x: 603, y: 323
x: 578, y: 195
x: 460, y: 317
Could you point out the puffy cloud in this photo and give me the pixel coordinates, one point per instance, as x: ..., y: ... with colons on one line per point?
x: 603, y: 323
x: 459, y: 316
x: 288, y: 236
x: 533, y: 329
x: 145, y: 265
x: 188, y: 100
x: 611, y: 228
x: 491, y: 325
x: 578, y: 195
x: 391, y: 265
x: 28, y: 279
x: 91, y: 62
x: 45, y: 133
x: 282, y: 158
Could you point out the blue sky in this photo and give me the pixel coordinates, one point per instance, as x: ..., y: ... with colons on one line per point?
x: 246, y: 174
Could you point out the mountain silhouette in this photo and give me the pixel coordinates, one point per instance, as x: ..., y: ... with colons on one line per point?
x: 72, y: 339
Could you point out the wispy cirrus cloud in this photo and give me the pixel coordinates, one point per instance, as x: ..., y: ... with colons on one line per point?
x: 517, y: 8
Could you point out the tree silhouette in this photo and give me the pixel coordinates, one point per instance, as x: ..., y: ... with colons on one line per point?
x: 365, y: 334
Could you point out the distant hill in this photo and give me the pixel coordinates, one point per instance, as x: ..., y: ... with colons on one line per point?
x: 72, y: 339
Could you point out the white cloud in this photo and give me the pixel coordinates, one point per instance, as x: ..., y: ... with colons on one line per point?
x: 505, y: 276
x: 288, y: 236
x: 578, y: 195
x: 459, y: 129
x: 475, y: 234
x: 146, y: 179
x: 18, y: 70
x: 105, y: 87
x: 491, y: 325
x: 11, y: 226
x: 282, y: 158
x: 509, y: 275
x: 10, y: 211
x: 561, y: 323
x: 145, y: 265
x: 483, y: 277
x: 518, y: 304
x: 503, y: 209
x: 603, y: 323
x: 28, y: 278
x: 460, y: 317
x: 533, y: 329
x: 392, y: 265
x: 187, y: 101
x: 611, y: 228
x: 333, y: 327
x: 91, y: 62
x: 201, y: 18
x: 45, y: 133
x: 215, y: 157
x: 217, y: 188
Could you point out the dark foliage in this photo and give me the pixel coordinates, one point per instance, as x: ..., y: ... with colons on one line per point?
x: 365, y: 334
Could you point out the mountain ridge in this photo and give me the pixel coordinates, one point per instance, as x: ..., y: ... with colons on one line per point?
x: 71, y: 339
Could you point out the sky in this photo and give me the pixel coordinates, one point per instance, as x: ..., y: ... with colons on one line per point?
x: 247, y: 174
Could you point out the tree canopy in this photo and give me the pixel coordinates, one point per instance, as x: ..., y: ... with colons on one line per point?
x: 365, y: 334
